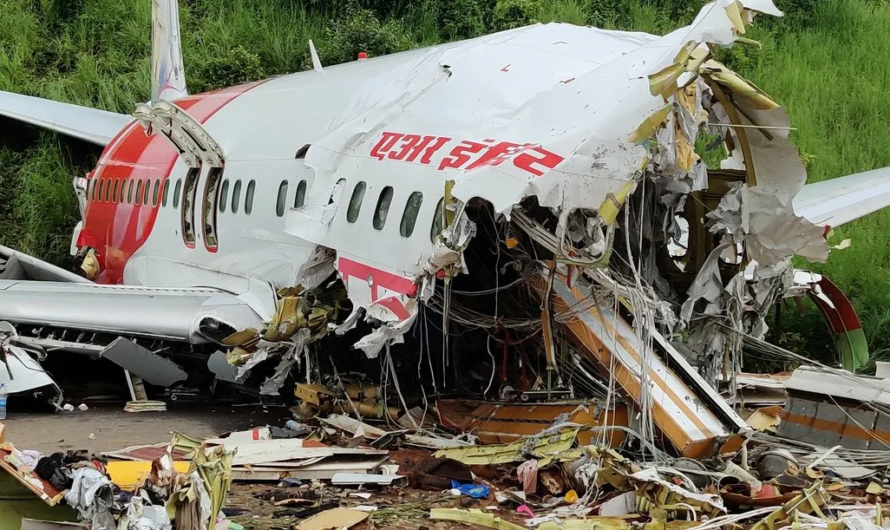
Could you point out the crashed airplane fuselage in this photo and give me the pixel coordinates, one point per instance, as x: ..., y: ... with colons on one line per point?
x: 451, y: 186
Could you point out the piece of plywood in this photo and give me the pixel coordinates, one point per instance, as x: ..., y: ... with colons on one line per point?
x: 333, y: 520
x: 35, y: 484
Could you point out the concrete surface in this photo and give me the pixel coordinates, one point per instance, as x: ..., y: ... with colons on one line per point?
x: 112, y: 428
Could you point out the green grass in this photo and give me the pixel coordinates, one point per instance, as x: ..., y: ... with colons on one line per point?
x: 826, y: 61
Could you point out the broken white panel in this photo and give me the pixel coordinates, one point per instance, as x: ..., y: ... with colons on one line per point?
x: 355, y: 427
x: 292, y: 356
x: 651, y: 475
x: 363, y: 479
x: 373, y: 343
x: 775, y: 232
x: 219, y: 365
x: 318, y: 268
x: 143, y: 362
x: 624, y: 504
x: 22, y: 372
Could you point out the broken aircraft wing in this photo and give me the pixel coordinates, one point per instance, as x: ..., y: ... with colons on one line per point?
x: 838, y: 201
x: 92, y: 125
x: 81, y: 312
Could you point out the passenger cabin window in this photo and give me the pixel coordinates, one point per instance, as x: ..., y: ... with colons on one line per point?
x: 123, y: 193
x: 146, y: 192
x: 355, y: 203
x: 166, y: 193
x: 211, y: 196
x: 114, y: 194
x: 176, y: 192
x: 409, y: 216
x: 157, y: 191
x: 138, y: 192
x: 282, y: 199
x: 91, y: 190
x: 109, y: 184
x: 188, y: 206
x: 248, y: 197
x: 224, y: 195
x: 382, y: 210
x: 236, y: 192
x: 438, y: 220
x: 130, y: 192
x: 99, y: 196
x: 300, y: 196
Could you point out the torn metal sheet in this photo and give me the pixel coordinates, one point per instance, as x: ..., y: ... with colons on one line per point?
x: 219, y: 365
x: 353, y: 426
x: 660, y: 494
x: 545, y: 447
x: 760, y: 390
x: 143, y: 362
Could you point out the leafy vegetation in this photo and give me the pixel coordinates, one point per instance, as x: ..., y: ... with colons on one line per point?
x: 825, y: 61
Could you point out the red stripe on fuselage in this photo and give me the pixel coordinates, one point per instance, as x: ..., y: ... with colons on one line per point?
x: 117, y: 229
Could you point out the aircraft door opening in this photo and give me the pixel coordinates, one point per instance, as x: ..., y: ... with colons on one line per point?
x: 210, y: 208
x: 188, y: 206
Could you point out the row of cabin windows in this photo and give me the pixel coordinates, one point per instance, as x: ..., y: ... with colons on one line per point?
x: 384, y: 202
x: 143, y: 190
x: 130, y: 191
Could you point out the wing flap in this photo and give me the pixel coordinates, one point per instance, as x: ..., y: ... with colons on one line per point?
x: 837, y: 201
x: 92, y: 125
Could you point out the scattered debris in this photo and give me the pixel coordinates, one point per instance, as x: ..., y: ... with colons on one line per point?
x: 587, y: 377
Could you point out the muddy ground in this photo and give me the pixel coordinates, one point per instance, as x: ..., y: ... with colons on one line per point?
x: 112, y: 428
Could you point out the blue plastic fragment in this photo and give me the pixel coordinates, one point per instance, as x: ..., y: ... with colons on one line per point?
x: 476, y: 491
